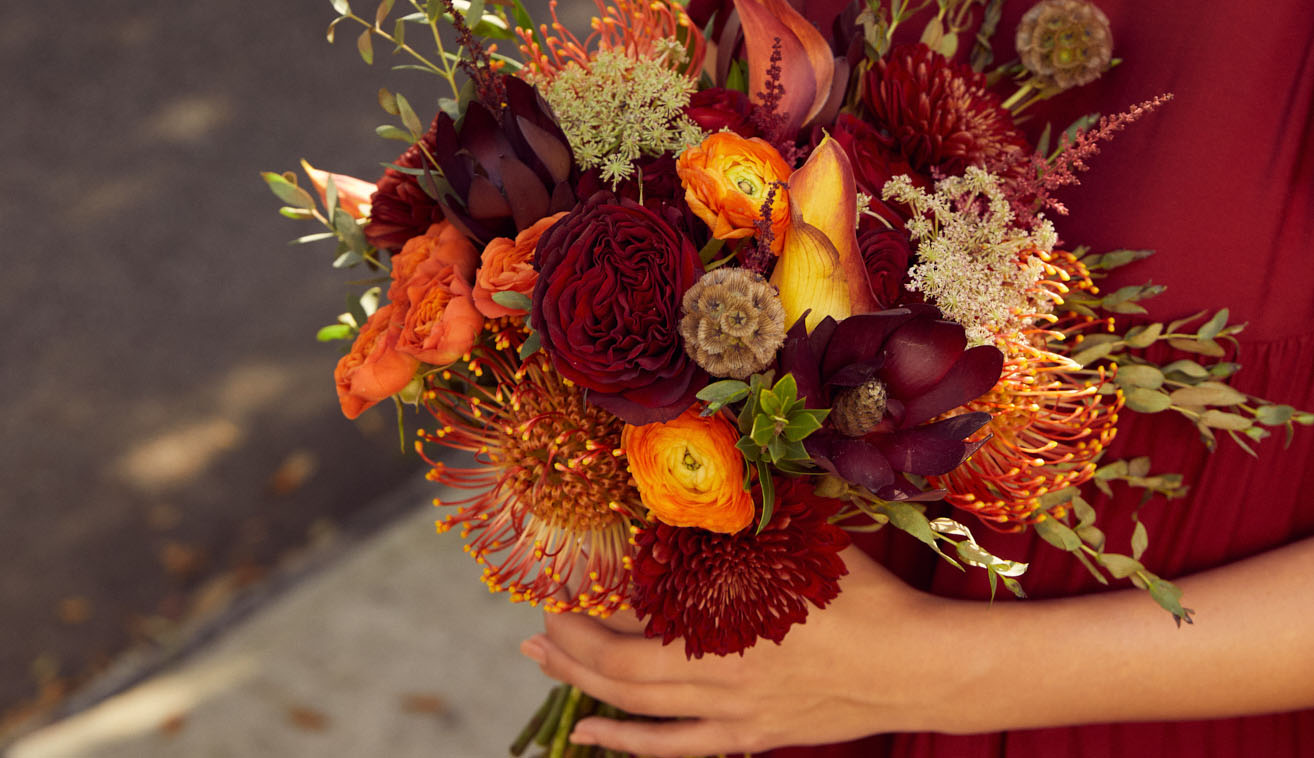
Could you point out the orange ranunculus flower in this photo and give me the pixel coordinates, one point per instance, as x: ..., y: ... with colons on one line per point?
x: 507, y: 266
x: 726, y: 180
x: 433, y: 276
x: 374, y: 369
x: 689, y: 472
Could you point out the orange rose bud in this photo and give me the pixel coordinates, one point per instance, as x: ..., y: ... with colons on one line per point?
x: 726, y: 179
x: 374, y: 369
x: 433, y: 277
x: 507, y: 266
x: 689, y: 472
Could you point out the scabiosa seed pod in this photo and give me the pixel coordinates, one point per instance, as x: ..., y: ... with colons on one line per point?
x: 733, y: 322
x: 1065, y: 43
x: 858, y: 410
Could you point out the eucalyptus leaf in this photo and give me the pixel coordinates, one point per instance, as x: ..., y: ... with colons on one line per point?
x: 1200, y: 347
x: 1144, y: 400
x: 335, y: 332
x: 1121, y: 566
x: 341, y: 6
x: 1188, y: 368
x: 349, y: 231
x: 531, y: 345
x: 287, y: 191
x: 1058, y: 534
x: 313, y: 238
x: 768, y: 494
x: 1207, y: 393
x: 1213, y: 326
x: 347, y: 259
x: 723, y: 392
x: 1138, y: 375
x: 408, y: 116
x: 1141, y: 337
x: 1217, y: 419
x: 1274, y: 415
x: 513, y: 300
x: 388, y: 131
x: 911, y: 520
x: 1140, y: 540
x: 365, y: 46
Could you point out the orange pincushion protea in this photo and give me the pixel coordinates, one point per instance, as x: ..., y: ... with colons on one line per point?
x: 552, y: 520
x: 638, y: 27
x: 1050, y: 422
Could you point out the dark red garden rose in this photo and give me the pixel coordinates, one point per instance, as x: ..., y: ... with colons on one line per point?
x: 719, y: 108
x: 611, y: 277
x: 722, y: 592
x: 400, y: 209
x: 938, y: 113
x: 886, y: 253
x: 885, y: 375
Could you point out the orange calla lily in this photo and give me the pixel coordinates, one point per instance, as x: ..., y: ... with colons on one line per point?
x: 820, y: 270
x: 353, y: 194
x: 808, y: 77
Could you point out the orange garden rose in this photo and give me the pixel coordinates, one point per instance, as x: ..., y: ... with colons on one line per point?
x: 726, y: 180
x: 433, y: 277
x: 689, y: 472
x: 374, y: 369
x: 507, y: 266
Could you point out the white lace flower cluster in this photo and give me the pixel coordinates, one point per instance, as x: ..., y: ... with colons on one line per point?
x: 978, y: 268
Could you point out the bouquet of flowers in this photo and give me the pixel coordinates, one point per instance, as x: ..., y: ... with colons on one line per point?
x: 717, y: 285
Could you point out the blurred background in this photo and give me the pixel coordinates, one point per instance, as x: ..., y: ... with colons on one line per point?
x: 175, y: 468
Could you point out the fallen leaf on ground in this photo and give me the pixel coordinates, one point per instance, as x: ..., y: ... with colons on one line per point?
x: 174, y: 724
x: 307, y: 718
x: 424, y: 703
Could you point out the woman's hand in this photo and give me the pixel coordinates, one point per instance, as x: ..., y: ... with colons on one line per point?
x: 854, y: 669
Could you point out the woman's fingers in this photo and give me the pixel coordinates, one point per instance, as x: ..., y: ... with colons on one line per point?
x: 649, y: 699
x: 633, y: 658
x: 667, y: 739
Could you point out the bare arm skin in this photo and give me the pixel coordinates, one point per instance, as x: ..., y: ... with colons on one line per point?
x: 886, y: 658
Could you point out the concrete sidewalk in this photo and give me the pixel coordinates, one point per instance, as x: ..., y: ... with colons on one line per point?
x: 392, y: 649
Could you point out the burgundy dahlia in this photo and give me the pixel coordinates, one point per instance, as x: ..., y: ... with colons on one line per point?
x: 938, y: 113
x: 611, y: 278
x: 721, y: 592
x: 885, y: 375
x: 400, y: 208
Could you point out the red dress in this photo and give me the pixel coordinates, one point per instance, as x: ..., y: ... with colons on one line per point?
x: 1220, y: 181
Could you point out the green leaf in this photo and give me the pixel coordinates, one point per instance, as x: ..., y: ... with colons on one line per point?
x: 1138, y: 375
x: 335, y: 332
x: 399, y: 34
x: 764, y: 428
x: 365, y: 46
x: 800, y: 426
x: 299, y: 214
x: 513, y: 300
x: 768, y: 494
x: 1085, y: 513
x: 1187, y: 367
x: 1200, y: 347
x: 751, y: 450
x: 737, y: 78
x: 350, y: 231
x: 347, y: 259
x: 1144, y: 400
x: 1058, y: 534
x: 911, y: 520
x: 1207, y: 393
x: 1274, y: 415
x: 1042, y: 144
x: 388, y: 131
x: 1121, y: 566
x: 776, y: 449
x: 1089, y: 355
x: 313, y: 238
x: 1222, y: 420
x: 1141, y: 337
x: 408, y: 116
x: 388, y: 102
x: 474, y: 12
x: 380, y: 13
x: 1224, y: 369
x: 1057, y: 497
x: 1091, y: 535
x: 341, y: 6
x: 1169, y: 597
x: 434, y: 10
x: 1213, y: 326
x: 531, y: 345
x: 770, y: 402
x: 288, y: 192
x: 723, y: 392
x: 786, y: 388
x: 1140, y: 540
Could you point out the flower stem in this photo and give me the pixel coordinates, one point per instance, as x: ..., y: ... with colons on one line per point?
x: 565, y: 723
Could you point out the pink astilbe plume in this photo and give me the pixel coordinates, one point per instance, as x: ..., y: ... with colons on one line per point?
x: 1032, y: 179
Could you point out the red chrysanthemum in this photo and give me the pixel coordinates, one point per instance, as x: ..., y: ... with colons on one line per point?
x: 939, y: 114
x: 721, y: 592
x: 400, y: 208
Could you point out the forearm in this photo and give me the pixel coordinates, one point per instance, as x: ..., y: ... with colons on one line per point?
x: 1118, y: 657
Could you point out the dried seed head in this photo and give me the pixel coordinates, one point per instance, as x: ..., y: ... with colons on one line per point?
x: 1065, y: 43
x: 733, y: 322
x: 860, y: 409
